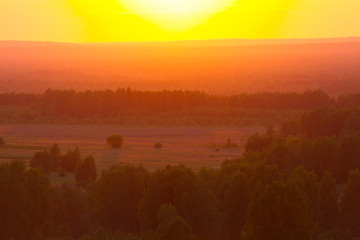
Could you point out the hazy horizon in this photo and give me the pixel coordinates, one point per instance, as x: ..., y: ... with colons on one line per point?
x: 214, y: 66
x: 230, y: 41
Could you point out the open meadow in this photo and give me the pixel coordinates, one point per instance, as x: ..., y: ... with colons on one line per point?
x: 195, y: 147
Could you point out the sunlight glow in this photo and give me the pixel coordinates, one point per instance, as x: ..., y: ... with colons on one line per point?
x: 176, y: 15
x: 167, y: 20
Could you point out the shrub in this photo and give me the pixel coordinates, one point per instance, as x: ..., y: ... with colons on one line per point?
x: 116, y: 141
x: 158, y: 145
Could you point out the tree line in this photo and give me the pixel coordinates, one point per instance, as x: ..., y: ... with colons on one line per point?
x: 63, y: 103
x: 328, y: 121
x: 178, y: 107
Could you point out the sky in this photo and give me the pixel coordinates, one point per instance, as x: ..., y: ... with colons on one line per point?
x: 168, y: 20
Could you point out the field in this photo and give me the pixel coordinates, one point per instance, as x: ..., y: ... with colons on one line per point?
x: 195, y: 147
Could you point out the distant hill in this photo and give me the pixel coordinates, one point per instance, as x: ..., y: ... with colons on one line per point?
x: 216, y: 66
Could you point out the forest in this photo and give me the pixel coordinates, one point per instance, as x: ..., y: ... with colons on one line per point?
x: 299, y: 182
x: 177, y: 107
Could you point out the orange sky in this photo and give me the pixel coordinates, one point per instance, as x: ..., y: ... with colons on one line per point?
x: 163, y: 20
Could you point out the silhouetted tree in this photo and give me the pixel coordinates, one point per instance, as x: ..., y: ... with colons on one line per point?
x: 86, y: 171
x: 280, y: 212
x: 171, y: 225
x: 14, y: 215
x: 25, y: 202
x: 350, y: 155
x: 41, y: 160
x: 177, y: 185
x: 257, y: 143
x: 71, y: 160
x: 290, y: 127
x: 350, y: 203
x: 306, y: 181
x: 118, y: 195
x: 234, y: 197
x: 265, y: 173
x: 72, y: 211
x: 329, y: 211
x: 349, y: 101
x: 158, y: 145
x: 116, y: 141
x: 54, y: 157
x: 279, y: 154
x: 39, y: 201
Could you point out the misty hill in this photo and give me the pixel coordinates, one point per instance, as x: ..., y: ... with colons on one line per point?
x: 215, y: 66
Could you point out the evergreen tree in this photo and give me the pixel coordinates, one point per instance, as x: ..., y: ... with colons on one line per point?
x: 350, y: 202
x: 278, y: 212
x: 86, y: 172
x: 71, y: 160
x: 329, y: 212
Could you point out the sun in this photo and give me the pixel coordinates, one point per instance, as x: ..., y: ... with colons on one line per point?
x: 175, y: 15
x: 169, y: 20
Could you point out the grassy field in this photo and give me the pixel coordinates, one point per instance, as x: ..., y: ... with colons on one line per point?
x: 191, y: 146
